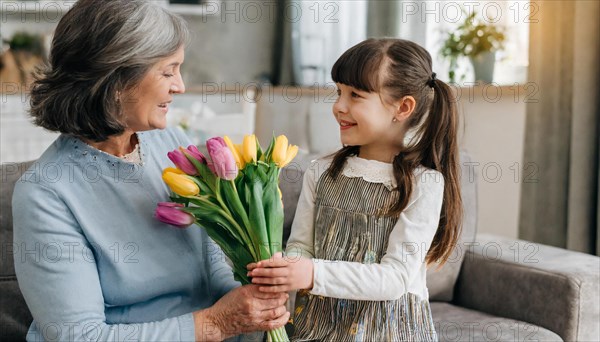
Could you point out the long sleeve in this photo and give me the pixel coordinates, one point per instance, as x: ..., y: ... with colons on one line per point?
x: 403, y: 261
x: 404, y: 258
x: 59, y: 279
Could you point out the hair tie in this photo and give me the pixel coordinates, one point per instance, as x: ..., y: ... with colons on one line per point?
x: 431, y: 81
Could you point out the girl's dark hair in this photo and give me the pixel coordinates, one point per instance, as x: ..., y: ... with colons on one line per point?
x: 395, y: 68
x: 100, y: 49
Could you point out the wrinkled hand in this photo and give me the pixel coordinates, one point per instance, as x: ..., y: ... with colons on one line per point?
x: 245, y: 309
x: 282, y: 274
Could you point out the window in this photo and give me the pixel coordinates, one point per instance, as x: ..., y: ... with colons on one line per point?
x: 425, y: 21
x: 325, y: 29
x: 321, y: 32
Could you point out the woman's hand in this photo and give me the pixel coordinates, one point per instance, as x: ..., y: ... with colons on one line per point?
x: 282, y: 274
x: 244, y: 309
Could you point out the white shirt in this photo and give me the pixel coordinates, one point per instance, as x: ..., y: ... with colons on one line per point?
x: 402, y: 269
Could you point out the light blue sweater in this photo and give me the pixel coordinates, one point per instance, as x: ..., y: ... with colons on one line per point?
x: 92, y: 261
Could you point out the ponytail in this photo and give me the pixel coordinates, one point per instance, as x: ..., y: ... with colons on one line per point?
x: 339, y: 159
x: 437, y: 149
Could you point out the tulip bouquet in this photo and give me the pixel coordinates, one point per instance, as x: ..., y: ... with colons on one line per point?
x: 235, y: 196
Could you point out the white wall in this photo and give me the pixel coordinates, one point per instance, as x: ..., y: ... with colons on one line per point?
x: 20, y: 140
x: 493, y: 134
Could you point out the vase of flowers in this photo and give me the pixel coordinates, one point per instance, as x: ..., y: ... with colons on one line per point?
x: 476, y: 40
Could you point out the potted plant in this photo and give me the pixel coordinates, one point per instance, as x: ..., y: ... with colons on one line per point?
x: 477, y: 41
x: 25, y: 53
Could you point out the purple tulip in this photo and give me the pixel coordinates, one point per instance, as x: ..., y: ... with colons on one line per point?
x: 169, y: 213
x: 223, y: 160
x: 194, y: 152
x: 180, y: 160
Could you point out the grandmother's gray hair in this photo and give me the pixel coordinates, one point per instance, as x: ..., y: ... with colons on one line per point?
x: 100, y: 48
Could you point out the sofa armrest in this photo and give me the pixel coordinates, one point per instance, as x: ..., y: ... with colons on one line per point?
x: 547, y: 286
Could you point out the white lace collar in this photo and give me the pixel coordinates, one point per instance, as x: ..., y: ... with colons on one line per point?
x: 371, y: 171
x: 133, y: 156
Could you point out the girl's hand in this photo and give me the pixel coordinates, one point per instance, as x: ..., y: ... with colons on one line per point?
x: 282, y: 274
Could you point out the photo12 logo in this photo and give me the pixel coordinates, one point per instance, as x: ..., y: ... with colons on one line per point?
x: 456, y: 11
x: 34, y: 11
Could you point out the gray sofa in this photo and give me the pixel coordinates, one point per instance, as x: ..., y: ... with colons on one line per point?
x: 493, y: 288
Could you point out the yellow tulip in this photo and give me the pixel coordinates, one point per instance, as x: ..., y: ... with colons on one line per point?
x: 173, y: 169
x: 249, y: 148
x: 279, y: 153
x: 283, y: 153
x: 291, y: 153
x: 236, y: 152
x: 180, y: 184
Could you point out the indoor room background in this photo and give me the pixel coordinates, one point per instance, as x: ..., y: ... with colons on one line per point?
x: 256, y: 66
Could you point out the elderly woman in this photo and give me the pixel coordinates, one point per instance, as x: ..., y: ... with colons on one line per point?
x: 96, y: 264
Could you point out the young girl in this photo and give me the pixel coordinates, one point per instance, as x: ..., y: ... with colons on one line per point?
x: 372, y: 217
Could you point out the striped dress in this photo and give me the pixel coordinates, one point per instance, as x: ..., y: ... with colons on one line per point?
x: 349, y: 226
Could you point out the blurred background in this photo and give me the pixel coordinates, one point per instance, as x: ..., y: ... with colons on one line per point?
x: 525, y: 74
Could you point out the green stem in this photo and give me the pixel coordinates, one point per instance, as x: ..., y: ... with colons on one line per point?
x: 278, y: 335
x: 246, y: 222
x: 227, y: 216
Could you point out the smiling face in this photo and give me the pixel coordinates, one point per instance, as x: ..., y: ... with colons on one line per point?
x: 367, y: 122
x: 145, y: 106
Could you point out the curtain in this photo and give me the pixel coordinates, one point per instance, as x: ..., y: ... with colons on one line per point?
x: 387, y: 18
x: 283, y: 58
x: 560, y: 200
x: 313, y: 35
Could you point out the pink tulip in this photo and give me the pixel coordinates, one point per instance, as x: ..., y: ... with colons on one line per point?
x: 211, y: 166
x: 180, y: 160
x: 223, y: 160
x: 194, y: 152
x: 169, y: 213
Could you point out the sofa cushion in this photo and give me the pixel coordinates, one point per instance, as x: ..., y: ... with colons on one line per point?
x: 290, y: 183
x: 283, y: 111
x: 454, y: 323
x: 441, y: 282
x: 15, y: 318
x: 552, y: 287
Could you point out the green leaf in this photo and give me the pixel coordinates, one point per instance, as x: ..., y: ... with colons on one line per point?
x: 256, y: 212
x: 259, y: 151
x: 204, y: 188
x: 261, y: 171
x: 273, y: 209
x: 205, y: 173
x: 178, y: 199
x: 232, y: 198
x: 269, y: 152
x: 236, y: 252
x: 208, y: 215
x: 207, y: 211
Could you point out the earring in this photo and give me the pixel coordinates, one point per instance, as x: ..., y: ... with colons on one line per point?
x: 118, y: 97
x: 394, y: 120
